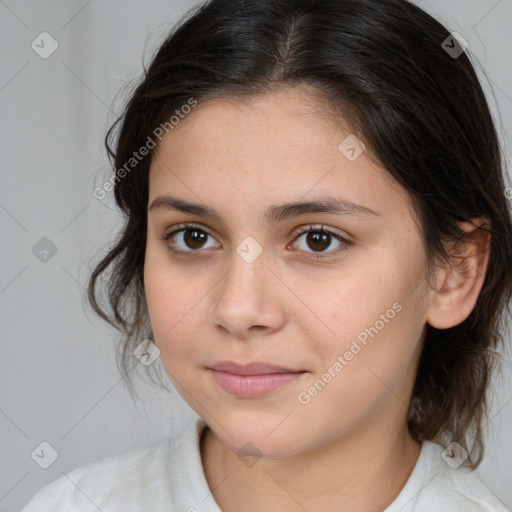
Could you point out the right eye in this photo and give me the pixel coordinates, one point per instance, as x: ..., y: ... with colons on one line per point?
x: 189, y: 238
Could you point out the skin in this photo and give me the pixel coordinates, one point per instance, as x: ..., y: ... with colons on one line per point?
x: 348, y: 448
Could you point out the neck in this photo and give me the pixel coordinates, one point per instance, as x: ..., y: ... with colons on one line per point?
x: 364, y: 470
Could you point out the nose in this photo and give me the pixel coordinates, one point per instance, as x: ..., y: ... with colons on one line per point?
x: 248, y: 300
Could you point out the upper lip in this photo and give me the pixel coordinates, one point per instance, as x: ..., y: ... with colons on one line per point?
x: 256, y: 368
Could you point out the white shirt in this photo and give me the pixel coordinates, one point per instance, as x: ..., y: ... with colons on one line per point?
x: 168, y: 477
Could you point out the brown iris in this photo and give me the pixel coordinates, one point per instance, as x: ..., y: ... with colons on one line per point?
x: 318, y: 238
x: 194, y: 238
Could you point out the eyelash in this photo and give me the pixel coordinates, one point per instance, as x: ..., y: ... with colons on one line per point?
x: 306, y: 229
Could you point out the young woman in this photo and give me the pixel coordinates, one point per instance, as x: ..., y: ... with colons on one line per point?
x: 318, y: 245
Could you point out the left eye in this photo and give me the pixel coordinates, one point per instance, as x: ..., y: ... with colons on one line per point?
x: 319, y: 239
x: 192, y: 238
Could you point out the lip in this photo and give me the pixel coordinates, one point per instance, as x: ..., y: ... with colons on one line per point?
x: 252, y: 380
x: 255, y: 368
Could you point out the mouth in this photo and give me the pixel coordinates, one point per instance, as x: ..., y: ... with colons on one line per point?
x: 256, y: 368
x: 253, y: 379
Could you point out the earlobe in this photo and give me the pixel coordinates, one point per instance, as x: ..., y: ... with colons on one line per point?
x: 459, y: 282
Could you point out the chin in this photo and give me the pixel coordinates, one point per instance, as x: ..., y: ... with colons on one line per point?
x: 259, y: 435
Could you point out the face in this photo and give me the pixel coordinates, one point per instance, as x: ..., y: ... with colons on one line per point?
x: 340, y: 310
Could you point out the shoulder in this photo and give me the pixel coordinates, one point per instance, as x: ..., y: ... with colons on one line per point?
x: 121, y: 482
x: 439, y: 483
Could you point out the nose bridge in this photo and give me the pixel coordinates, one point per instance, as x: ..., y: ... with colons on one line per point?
x: 242, y: 298
x: 247, y: 275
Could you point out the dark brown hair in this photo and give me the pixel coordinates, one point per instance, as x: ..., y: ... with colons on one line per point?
x: 422, y: 114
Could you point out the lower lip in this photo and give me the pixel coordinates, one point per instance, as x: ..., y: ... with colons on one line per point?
x: 252, y: 385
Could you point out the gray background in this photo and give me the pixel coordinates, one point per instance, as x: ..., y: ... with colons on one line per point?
x: 58, y: 378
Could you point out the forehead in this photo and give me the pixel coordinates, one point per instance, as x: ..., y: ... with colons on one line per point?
x: 296, y: 113
x: 273, y: 147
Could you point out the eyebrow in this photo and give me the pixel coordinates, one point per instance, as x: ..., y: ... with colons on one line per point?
x: 275, y: 213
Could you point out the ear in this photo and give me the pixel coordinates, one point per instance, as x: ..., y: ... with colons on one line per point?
x: 459, y: 282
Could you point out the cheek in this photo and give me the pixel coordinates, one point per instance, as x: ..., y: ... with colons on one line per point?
x: 174, y: 305
x: 375, y: 325
x: 350, y: 305
x: 357, y: 379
